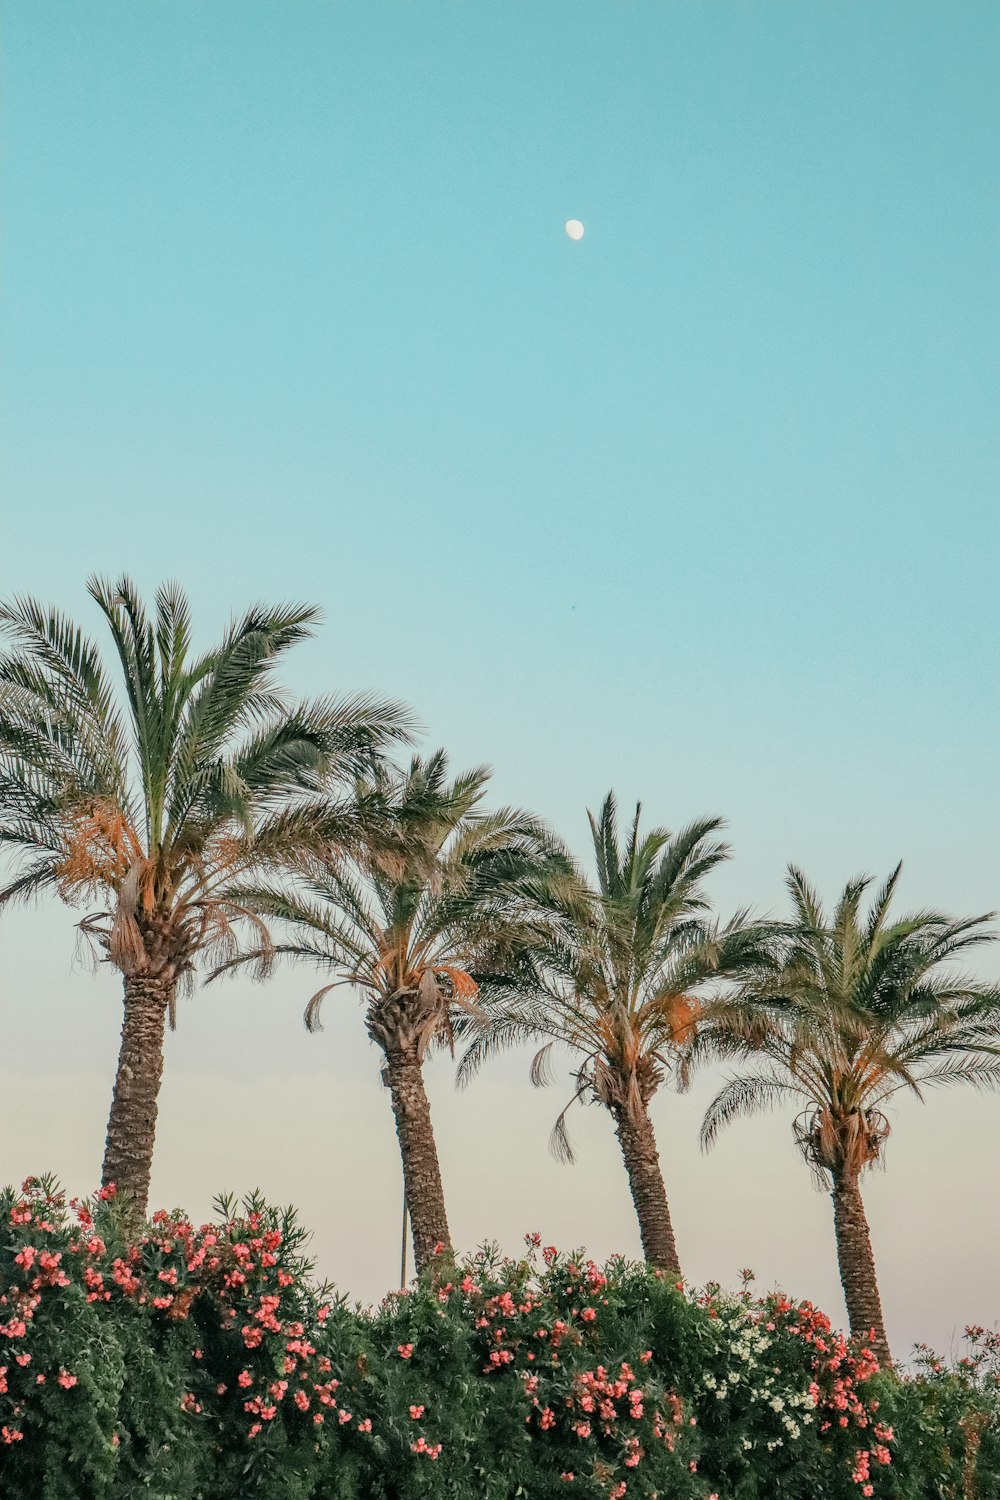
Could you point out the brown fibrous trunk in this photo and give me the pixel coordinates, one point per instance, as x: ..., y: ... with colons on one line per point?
x: 857, y: 1266
x: 642, y: 1162
x: 421, y: 1169
x: 128, y: 1153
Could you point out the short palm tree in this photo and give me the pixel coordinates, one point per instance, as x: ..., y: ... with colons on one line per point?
x: 441, y: 914
x: 620, y: 989
x: 148, y: 806
x: 856, y: 1008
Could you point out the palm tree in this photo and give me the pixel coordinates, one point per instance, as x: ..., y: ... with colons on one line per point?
x: 855, y: 1009
x: 426, y: 926
x: 148, y: 806
x: 621, y: 990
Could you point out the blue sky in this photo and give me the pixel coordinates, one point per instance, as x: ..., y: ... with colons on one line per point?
x: 703, y: 507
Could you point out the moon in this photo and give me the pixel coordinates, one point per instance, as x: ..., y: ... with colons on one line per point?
x: 574, y: 229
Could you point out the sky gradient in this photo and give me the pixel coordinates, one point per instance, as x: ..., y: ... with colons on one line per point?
x: 703, y: 507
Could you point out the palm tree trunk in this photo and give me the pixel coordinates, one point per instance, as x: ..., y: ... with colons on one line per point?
x: 857, y: 1266
x: 421, y: 1170
x: 128, y: 1153
x: 642, y: 1162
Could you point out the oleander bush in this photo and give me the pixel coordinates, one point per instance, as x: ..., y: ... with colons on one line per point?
x: 206, y: 1363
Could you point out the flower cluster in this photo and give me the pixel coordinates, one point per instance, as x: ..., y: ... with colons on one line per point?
x: 610, y: 1423
x: 790, y: 1386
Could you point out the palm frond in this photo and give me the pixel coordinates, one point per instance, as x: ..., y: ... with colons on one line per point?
x: 541, y: 1068
x: 490, y: 1042
x: 742, y: 1096
x: 559, y: 1142
x: 980, y: 1070
x: 27, y: 885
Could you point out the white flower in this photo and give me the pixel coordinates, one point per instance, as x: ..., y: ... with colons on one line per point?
x: 776, y: 1403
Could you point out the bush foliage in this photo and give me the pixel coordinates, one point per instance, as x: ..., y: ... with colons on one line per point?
x: 205, y: 1363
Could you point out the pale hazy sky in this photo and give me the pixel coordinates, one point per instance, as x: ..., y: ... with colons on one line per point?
x: 703, y: 507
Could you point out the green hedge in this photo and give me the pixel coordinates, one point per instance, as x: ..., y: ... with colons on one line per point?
x: 205, y: 1363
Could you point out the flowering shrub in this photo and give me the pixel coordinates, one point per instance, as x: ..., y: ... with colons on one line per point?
x: 568, y: 1405
x: 204, y: 1363
x: 948, y: 1418
x: 183, y: 1364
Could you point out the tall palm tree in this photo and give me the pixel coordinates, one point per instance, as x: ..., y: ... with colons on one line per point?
x: 147, y: 806
x: 621, y: 988
x: 425, y: 927
x: 857, y: 1008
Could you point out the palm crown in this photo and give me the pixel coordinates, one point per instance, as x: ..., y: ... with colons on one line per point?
x: 619, y: 985
x: 439, y: 907
x: 857, y: 1008
x: 157, y: 804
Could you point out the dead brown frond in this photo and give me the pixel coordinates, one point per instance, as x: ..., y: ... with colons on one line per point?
x: 840, y: 1142
x: 312, y: 1010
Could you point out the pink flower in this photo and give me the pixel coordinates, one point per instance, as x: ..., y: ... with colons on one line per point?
x: 416, y: 1412
x: 66, y: 1380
